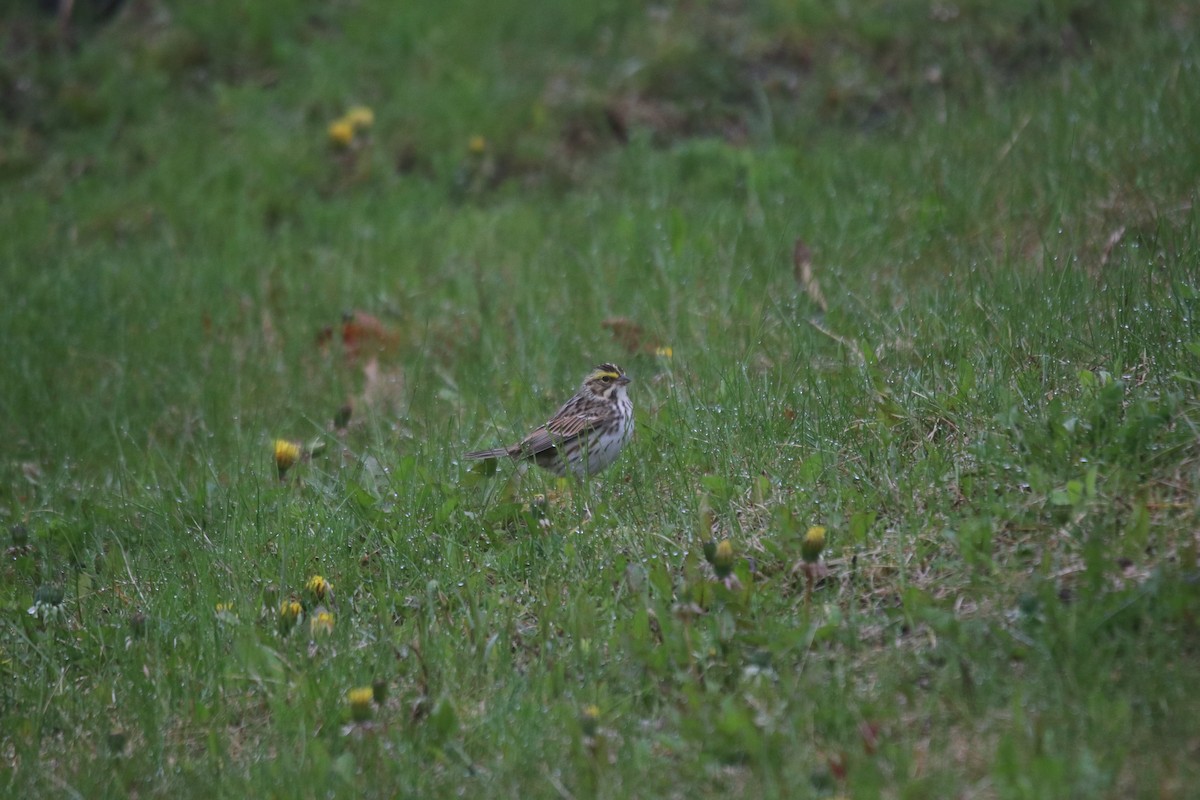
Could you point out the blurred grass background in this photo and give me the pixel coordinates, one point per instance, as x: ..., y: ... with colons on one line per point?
x: 926, y: 275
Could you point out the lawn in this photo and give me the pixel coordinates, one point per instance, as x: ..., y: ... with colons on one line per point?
x: 925, y: 275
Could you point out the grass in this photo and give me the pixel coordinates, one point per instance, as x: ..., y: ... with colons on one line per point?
x: 982, y: 379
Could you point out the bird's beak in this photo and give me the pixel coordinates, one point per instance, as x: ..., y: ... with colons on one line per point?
x: 621, y: 381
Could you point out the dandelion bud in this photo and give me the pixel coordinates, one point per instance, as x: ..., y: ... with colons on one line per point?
x: 813, y: 544
x: 341, y: 132
x: 47, y: 604
x: 589, y: 720
x: 51, y: 595
x: 360, y: 703
x: 321, y: 623
x: 723, y: 559
x: 359, y: 117
x: 290, y: 612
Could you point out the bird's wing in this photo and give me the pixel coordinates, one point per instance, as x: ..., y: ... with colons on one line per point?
x: 537, y: 442
x: 565, y: 426
x: 561, y: 428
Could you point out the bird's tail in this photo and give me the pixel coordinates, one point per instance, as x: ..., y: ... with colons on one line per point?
x: 479, y: 455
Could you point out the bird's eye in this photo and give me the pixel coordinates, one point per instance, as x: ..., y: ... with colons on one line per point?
x: 606, y: 378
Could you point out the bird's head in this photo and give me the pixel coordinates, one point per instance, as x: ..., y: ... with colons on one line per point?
x: 606, y: 380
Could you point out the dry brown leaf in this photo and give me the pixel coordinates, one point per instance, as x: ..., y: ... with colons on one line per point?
x: 803, y: 270
x: 849, y: 344
x: 631, y: 336
x: 1113, y: 240
x: 366, y: 334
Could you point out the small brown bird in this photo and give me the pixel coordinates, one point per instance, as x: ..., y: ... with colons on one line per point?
x: 585, y: 435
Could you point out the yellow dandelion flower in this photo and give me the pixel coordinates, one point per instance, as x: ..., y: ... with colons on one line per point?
x: 723, y: 559
x: 360, y: 117
x: 341, y: 132
x: 319, y: 588
x: 321, y: 623
x: 226, y: 612
x: 286, y: 455
x: 290, y: 613
x: 664, y: 352
x: 477, y: 144
x: 361, y: 699
x: 813, y: 544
